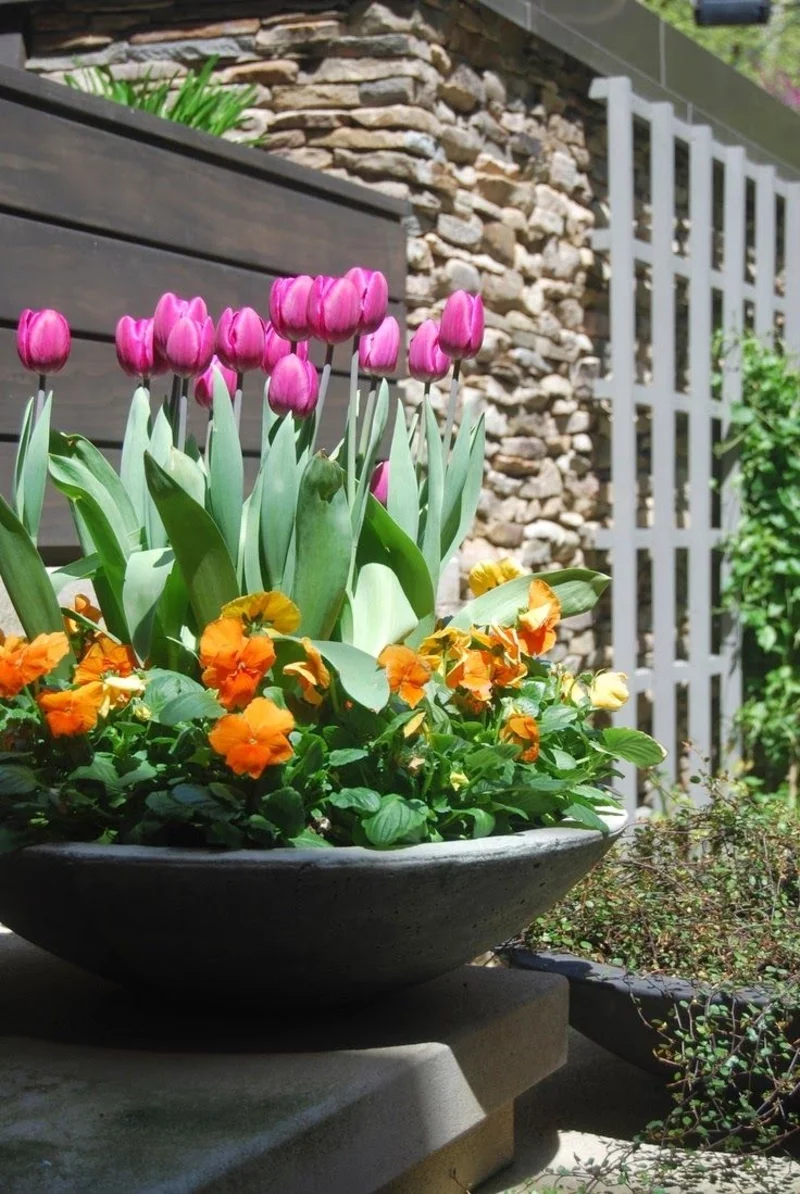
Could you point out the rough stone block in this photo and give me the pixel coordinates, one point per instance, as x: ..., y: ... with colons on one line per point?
x: 399, y: 90
x: 313, y: 95
x: 464, y: 90
x: 466, y: 233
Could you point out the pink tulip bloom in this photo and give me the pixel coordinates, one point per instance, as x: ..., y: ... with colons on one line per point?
x: 190, y: 346
x: 373, y: 292
x: 169, y: 309
x: 378, y: 353
x: 240, y: 339
x: 426, y: 361
x: 461, y: 331
x: 334, y: 309
x: 135, y: 348
x: 288, y: 307
x: 379, y: 483
x: 275, y: 347
x: 293, y: 387
x: 43, y: 340
x: 204, y: 385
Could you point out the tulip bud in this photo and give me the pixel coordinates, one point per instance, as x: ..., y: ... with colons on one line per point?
x: 240, y: 339
x: 169, y: 309
x: 294, y: 386
x: 288, y: 307
x: 43, y: 340
x: 275, y: 347
x: 461, y: 331
x: 379, y: 483
x: 426, y: 361
x: 373, y: 293
x: 190, y: 346
x: 334, y: 309
x: 378, y: 353
x: 135, y: 348
x: 204, y: 386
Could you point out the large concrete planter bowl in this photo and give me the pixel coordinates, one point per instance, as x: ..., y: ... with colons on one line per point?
x: 288, y: 926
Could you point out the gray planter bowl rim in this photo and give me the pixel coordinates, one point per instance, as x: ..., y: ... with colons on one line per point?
x: 289, y: 926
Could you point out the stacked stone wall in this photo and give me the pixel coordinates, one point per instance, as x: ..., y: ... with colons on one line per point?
x: 490, y: 136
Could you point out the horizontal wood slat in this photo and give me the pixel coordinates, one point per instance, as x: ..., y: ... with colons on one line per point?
x: 72, y: 173
x: 94, y: 279
x: 92, y: 395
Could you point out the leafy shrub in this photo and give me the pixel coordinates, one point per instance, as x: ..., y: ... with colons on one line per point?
x: 199, y: 102
x: 763, y: 583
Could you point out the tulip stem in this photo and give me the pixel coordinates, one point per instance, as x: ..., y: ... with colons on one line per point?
x: 352, y: 425
x: 426, y: 395
x: 40, y: 397
x: 207, y: 447
x: 323, y: 390
x: 451, y: 410
x: 183, y: 407
x: 237, y: 399
x: 368, y: 413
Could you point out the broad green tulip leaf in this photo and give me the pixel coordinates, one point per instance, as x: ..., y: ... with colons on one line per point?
x: 33, y: 478
x: 80, y: 470
x: 82, y: 569
x: 380, y: 610
x: 226, y: 469
x: 633, y: 746
x: 383, y: 542
x: 360, y: 676
x: 403, y: 500
x: 368, y: 463
x: 251, y: 579
x: 188, y: 474
x: 324, y: 545
x: 577, y: 589
x: 431, y: 535
x: 203, y: 558
x: 146, y: 575
x: 462, y: 517
x: 134, y: 446
x: 167, y: 648
x: 160, y: 448
x: 280, y: 482
x: 22, y: 448
x: 455, y: 477
x: 268, y: 421
x: 26, y: 580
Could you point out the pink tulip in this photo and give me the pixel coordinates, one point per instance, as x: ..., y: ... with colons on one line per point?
x: 378, y: 353
x: 334, y: 309
x: 204, y: 385
x: 288, y: 307
x: 461, y: 331
x: 43, y: 340
x: 169, y: 309
x: 293, y: 387
x: 240, y: 339
x: 379, y: 483
x: 275, y: 347
x: 426, y: 361
x: 373, y: 292
x: 135, y: 348
x: 190, y: 346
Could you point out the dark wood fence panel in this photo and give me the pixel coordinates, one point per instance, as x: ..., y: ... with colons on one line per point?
x: 102, y: 209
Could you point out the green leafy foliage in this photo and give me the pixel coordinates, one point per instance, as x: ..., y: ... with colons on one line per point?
x: 763, y: 580
x: 710, y: 895
x: 197, y: 101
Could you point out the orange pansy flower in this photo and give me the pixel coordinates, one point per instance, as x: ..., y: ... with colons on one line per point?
x: 105, y: 657
x: 311, y: 672
x: 508, y: 668
x: 83, y: 606
x: 444, y: 646
x: 522, y: 730
x: 234, y: 663
x: 537, y: 626
x: 407, y: 673
x: 473, y: 673
x: 74, y: 711
x: 273, y: 609
x: 22, y: 662
x: 254, y: 739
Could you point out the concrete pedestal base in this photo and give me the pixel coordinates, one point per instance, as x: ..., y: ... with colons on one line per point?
x: 411, y: 1095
